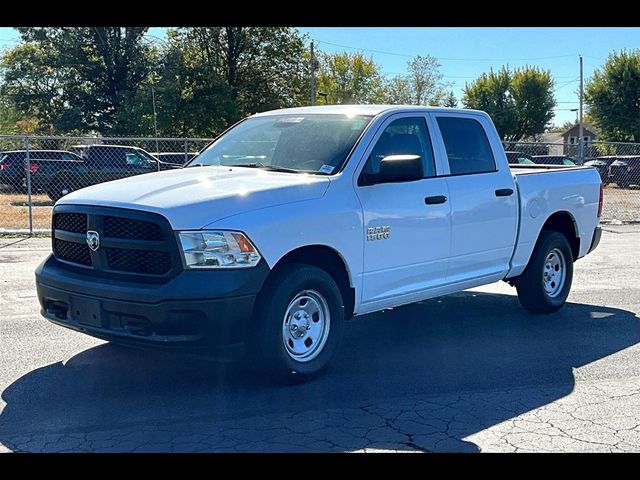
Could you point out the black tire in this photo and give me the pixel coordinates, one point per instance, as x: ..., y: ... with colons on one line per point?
x: 265, y: 345
x: 623, y: 180
x: 530, y: 285
x: 58, y: 188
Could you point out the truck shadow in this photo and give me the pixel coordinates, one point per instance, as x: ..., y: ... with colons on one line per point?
x: 476, y: 344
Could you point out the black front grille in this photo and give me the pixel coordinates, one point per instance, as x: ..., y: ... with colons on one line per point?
x: 119, y: 227
x: 70, y: 222
x: 72, y: 252
x: 132, y: 244
x: 139, y: 261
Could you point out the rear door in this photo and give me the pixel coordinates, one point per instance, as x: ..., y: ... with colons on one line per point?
x: 482, y: 196
x: 406, y: 225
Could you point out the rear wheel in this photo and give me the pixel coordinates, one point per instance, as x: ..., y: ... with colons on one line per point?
x: 298, y: 323
x: 58, y: 188
x: 544, y: 285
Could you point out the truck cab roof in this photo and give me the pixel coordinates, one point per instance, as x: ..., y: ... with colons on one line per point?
x: 371, y: 110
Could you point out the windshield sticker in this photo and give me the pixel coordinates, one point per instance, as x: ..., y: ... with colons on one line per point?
x: 326, y: 169
x: 288, y: 121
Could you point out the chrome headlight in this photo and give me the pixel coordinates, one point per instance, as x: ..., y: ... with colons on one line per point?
x: 217, y: 249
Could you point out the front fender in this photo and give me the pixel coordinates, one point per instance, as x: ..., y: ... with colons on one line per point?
x: 334, y: 221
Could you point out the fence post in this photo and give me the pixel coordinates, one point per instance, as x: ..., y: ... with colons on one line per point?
x: 157, y: 152
x: 581, y: 152
x: 186, y: 150
x: 28, y: 176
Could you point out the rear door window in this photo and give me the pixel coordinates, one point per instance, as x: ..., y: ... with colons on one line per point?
x: 467, y: 146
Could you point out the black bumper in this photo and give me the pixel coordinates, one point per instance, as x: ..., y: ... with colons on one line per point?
x: 197, y: 308
x: 597, y: 233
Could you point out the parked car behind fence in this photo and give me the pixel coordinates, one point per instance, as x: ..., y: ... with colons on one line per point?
x: 625, y: 171
x: 175, y: 158
x: 602, y: 166
x: 518, y: 158
x: 101, y: 163
x: 41, y: 164
x: 553, y: 160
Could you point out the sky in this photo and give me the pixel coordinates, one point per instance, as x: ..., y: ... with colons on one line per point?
x: 465, y: 53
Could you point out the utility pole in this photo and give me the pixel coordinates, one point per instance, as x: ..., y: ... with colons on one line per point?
x: 155, y: 121
x: 580, y: 132
x: 314, y: 66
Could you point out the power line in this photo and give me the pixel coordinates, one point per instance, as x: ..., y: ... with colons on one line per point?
x: 565, y: 84
x: 596, y: 58
x: 446, y: 58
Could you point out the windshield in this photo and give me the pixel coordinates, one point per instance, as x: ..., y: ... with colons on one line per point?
x: 298, y: 143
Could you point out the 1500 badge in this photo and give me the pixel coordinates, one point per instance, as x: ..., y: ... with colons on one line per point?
x: 378, y: 233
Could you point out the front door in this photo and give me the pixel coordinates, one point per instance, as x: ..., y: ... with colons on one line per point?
x: 406, y: 225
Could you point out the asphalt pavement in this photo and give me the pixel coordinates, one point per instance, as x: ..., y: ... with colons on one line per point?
x: 467, y: 372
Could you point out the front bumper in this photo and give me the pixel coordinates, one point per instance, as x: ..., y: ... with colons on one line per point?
x: 197, y: 308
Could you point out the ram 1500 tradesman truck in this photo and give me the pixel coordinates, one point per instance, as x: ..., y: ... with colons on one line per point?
x: 293, y: 221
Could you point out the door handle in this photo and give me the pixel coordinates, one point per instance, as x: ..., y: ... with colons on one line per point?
x: 435, y: 200
x: 504, y: 192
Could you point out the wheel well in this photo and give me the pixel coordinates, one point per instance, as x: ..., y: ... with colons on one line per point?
x: 563, y: 222
x: 328, y: 260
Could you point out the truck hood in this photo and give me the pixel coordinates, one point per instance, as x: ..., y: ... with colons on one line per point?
x: 191, y: 198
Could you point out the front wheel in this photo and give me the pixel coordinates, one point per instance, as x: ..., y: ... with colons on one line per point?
x: 544, y: 285
x: 298, y: 323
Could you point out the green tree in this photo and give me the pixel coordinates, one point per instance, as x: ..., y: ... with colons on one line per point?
x: 612, y: 96
x: 9, y: 116
x: 397, y: 91
x: 422, y: 85
x: 255, y: 68
x: 80, y: 78
x: 190, y: 99
x: 532, y: 93
x: 450, y: 101
x: 490, y: 92
x: 102, y: 79
x: 32, y: 89
x: 520, y: 103
x: 349, y: 78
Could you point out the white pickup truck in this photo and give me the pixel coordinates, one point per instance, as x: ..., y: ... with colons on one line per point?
x: 293, y: 221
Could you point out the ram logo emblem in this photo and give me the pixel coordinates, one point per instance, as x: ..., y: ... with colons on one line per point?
x: 93, y: 240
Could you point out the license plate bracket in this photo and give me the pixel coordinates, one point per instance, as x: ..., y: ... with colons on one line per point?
x: 86, y: 312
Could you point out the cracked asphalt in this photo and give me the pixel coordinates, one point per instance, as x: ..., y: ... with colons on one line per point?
x: 470, y: 372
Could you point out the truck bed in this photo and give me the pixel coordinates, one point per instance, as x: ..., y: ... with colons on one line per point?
x: 543, y: 189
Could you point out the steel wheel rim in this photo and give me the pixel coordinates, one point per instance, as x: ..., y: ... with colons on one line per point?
x: 554, y: 273
x: 305, y: 327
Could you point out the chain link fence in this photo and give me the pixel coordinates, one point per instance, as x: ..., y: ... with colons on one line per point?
x: 35, y: 171
x: 617, y: 163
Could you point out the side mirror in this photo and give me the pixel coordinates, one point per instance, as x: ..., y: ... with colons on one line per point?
x: 395, y: 169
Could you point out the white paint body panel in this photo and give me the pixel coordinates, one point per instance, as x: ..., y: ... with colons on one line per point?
x: 473, y: 239
x: 543, y: 194
x: 194, y: 197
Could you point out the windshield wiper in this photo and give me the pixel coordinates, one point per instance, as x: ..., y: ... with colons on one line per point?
x: 271, y: 168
